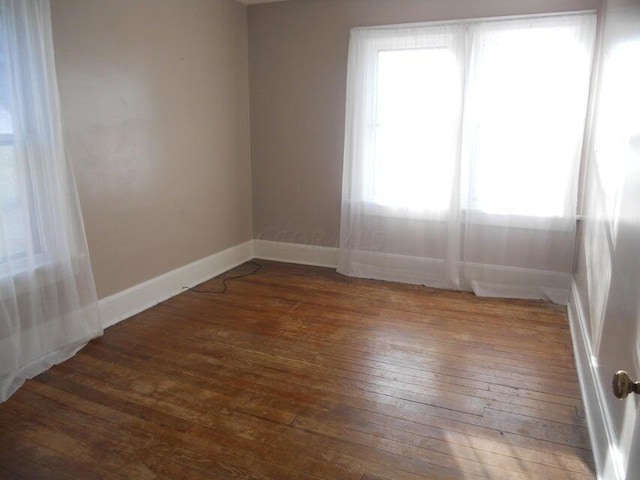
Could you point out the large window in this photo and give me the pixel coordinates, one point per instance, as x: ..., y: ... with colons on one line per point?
x: 462, y: 152
x: 488, y: 116
x: 10, y: 178
x: 415, y: 126
x: 20, y: 227
x: 525, y: 110
x: 21, y: 220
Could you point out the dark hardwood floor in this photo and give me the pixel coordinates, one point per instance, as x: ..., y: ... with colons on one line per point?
x: 297, y: 372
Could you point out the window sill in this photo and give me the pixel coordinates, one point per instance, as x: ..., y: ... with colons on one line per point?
x: 20, y: 277
x: 470, y: 217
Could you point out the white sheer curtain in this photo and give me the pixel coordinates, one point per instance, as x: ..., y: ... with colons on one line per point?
x: 462, y: 151
x: 48, y: 307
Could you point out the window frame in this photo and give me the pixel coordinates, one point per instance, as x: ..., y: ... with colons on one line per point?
x: 364, y: 201
x: 365, y: 204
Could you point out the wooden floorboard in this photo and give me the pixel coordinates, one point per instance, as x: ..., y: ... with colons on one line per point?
x: 297, y: 372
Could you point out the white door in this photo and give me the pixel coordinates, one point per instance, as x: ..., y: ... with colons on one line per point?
x: 617, y: 155
x: 620, y: 337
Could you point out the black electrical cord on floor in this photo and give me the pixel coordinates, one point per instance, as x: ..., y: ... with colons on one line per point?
x: 224, y: 281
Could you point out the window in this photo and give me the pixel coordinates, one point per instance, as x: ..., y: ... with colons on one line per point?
x: 20, y: 228
x: 487, y: 116
x: 525, y: 113
x: 415, y: 128
x: 10, y: 178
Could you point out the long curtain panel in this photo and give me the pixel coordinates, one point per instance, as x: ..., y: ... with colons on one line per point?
x: 462, y: 152
x: 48, y: 306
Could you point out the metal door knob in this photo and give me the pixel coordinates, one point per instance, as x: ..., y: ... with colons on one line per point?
x: 623, y: 385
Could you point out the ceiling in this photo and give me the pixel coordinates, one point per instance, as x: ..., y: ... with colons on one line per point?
x: 253, y: 2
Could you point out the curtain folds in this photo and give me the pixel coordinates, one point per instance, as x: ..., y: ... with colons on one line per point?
x: 48, y: 305
x: 462, y: 152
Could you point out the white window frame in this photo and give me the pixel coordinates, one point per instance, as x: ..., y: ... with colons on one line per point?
x: 473, y: 216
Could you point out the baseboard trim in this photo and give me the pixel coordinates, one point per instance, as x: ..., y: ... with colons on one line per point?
x: 125, y: 304
x: 597, y: 416
x: 296, y: 253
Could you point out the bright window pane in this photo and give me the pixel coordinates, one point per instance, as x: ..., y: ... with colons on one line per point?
x: 13, y: 234
x: 6, y: 124
x: 416, y: 110
x: 525, y: 108
x: 11, y: 207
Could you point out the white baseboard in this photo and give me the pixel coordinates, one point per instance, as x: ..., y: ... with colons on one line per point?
x: 296, y: 253
x: 127, y: 303
x: 597, y: 415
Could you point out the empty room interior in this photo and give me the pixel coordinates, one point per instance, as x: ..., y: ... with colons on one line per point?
x: 319, y: 239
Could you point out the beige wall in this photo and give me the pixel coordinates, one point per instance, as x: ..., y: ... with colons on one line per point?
x: 154, y: 99
x: 155, y: 105
x: 298, y: 60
